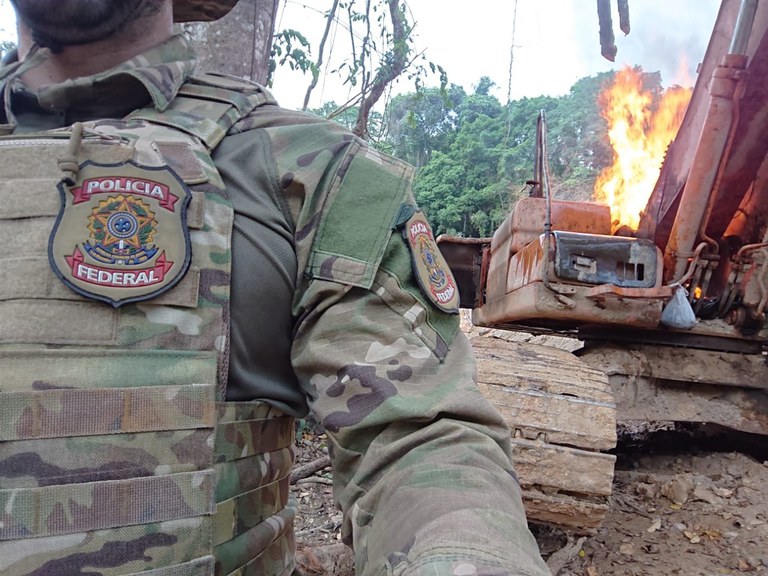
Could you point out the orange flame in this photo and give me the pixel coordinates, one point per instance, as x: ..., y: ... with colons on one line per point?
x: 640, y: 127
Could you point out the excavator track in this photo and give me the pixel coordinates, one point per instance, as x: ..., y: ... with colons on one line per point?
x: 563, y: 418
x: 655, y: 383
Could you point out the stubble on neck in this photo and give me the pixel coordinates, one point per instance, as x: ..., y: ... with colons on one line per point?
x: 151, y: 26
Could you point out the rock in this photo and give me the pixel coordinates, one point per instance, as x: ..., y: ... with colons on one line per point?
x: 693, y: 538
x: 679, y: 489
x: 723, y: 492
x: 647, y: 491
x: 654, y: 526
x: 327, y: 560
x: 627, y: 549
x: 704, y: 494
x: 734, y: 470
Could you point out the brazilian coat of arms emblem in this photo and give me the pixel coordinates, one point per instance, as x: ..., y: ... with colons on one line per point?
x: 121, y: 235
x: 430, y: 268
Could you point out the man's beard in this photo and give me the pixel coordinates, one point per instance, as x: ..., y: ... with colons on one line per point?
x: 58, y: 23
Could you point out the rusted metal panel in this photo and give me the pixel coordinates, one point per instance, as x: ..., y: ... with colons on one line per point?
x: 710, y: 151
x: 531, y: 294
x: 526, y: 221
x: 612, y: 291
x: 749, y: 146
x: 599, y: 259
x: 525, y: 266
x: 465, y: 259
x: 538, y: 305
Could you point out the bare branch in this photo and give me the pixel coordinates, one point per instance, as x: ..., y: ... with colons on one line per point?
x: 316, y: 73
x: 394, y: 63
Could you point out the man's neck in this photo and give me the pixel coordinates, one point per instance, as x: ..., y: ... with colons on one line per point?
x: 89, y: 59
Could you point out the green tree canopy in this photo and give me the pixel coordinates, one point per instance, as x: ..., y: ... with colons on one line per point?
x: 474, y: 154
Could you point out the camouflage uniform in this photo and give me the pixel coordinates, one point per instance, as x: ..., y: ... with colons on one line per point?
x: 327, y: 314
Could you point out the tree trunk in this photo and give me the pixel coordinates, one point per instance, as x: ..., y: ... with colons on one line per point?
x: 394, y: 62
x: 238, y: 44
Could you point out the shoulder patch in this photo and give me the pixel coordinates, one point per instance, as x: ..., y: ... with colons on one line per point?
x: 121, y: 234
x: 430, y: 268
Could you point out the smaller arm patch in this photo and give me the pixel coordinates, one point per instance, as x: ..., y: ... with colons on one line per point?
x: 429, y: 267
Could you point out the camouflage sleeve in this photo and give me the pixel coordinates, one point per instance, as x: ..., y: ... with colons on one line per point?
x: 422, y: 465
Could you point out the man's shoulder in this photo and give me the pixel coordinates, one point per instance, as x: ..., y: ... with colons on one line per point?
x: 274, y: 116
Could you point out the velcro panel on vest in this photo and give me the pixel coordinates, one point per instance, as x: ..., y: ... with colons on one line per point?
x: 31, y: 278
x: 86, y: 368
x: 347, y: 248
x: 57, y: 322
x: 112, y: 552
x: 37, y: 197
x: 254, y: 512
x: 181, y: 158
x: 108, y: 454
x: 28, y: 415
x: 84, y: 507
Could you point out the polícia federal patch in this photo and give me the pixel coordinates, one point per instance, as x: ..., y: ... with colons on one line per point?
x: 121, y: 234
x: 430, y: 268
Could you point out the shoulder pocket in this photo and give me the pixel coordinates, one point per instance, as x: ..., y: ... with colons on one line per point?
x: 358, y: 220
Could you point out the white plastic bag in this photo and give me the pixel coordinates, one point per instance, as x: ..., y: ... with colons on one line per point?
x: 678, y: 312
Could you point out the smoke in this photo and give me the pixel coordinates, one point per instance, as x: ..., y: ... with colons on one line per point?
x: 667, y: 37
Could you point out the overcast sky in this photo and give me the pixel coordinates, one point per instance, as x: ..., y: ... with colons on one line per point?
x: 556, y: 42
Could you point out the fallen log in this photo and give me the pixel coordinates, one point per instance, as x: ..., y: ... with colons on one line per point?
x: 306, y: 470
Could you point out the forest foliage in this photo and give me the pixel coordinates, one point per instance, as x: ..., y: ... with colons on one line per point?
x: 474, y: 154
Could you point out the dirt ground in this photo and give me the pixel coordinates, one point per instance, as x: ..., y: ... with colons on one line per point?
x: 677, y: 508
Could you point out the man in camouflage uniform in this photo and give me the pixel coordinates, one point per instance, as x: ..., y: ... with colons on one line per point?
x: 340, y: 305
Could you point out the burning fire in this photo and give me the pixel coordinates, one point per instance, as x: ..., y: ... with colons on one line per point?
x: 640, y: 127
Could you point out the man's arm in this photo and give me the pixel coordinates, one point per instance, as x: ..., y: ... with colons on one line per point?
x: 421, y: 461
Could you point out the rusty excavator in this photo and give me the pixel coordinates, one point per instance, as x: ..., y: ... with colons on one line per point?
x: 669, y: 320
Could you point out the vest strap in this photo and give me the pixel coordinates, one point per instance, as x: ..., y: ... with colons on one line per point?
x: 204, y: 111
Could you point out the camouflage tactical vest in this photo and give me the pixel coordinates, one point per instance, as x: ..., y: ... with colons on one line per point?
x: 117, y: 452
